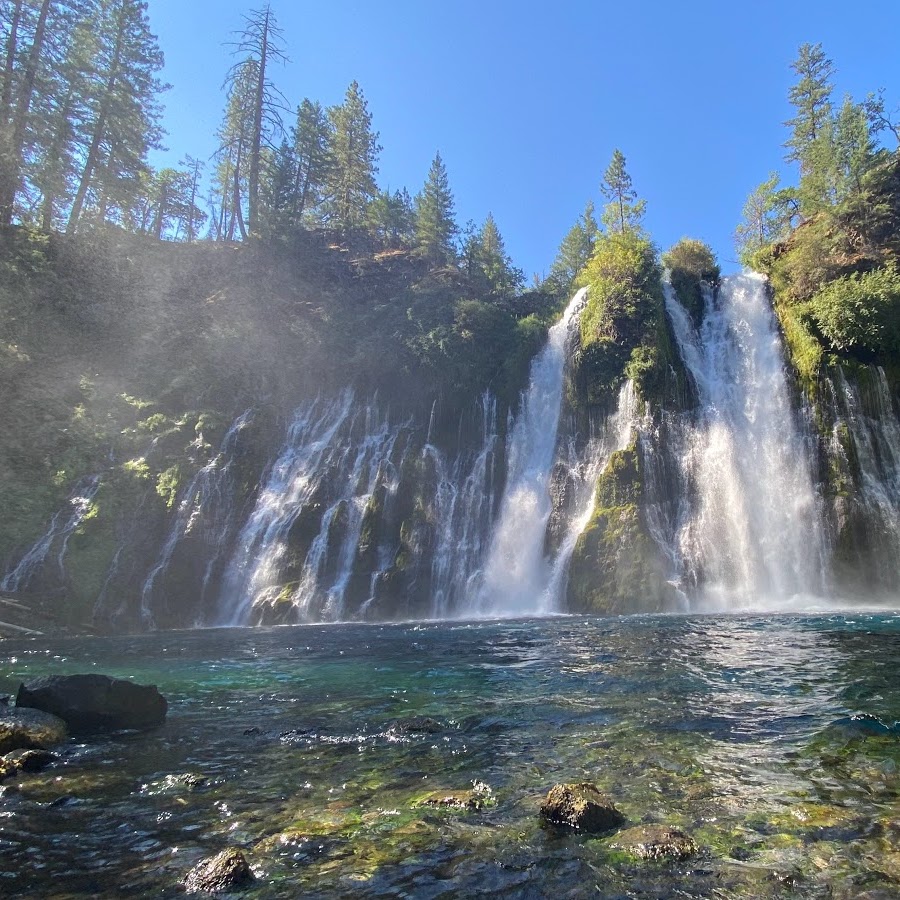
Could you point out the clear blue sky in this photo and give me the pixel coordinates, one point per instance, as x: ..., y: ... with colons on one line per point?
x: 527, y: 102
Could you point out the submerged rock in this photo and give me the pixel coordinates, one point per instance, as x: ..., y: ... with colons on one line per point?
x: 582, y: 807
x: 476, y: 798
x: 95, y: 702
x: 416, y: 725
x: 29, y: 760
x: 30, y: 729
x: 223, y: 872
x: 655, y: 842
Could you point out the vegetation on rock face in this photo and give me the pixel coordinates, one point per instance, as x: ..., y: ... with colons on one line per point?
x: 830, y: 244
x: 616, y: 566
x: 690, y: 263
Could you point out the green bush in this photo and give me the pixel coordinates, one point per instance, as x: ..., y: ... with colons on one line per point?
x: 689, y: 263
x: 859, y: 314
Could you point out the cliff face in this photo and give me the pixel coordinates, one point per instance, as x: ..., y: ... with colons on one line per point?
x: 125, y: 364
x: 217, y: 434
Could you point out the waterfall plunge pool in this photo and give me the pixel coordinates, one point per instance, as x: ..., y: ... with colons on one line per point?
x: 305, y: 747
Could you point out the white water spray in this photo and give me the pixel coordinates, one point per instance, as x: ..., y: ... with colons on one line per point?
x: 752, y: 533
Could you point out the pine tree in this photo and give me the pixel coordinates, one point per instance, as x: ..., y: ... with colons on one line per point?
x: 624, y: 212
x: 767, y: 218
x: 811, y: 98
x: 350, y: 186
x: 122, y: 113
x: 392, y: 219
x: 312, y: 139
x: 259, y: 47
x: 575, y: 250
x: 435, y: 224
x: 232, y: 158
x: 35, y: 78
x: 502, y: 277
x: 854, y: 147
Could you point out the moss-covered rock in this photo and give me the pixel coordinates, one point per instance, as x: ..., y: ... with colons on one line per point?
x: 582, y: 807
x: 616, y: 567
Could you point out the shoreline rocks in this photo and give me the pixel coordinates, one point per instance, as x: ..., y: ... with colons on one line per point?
x: 93, y: 702
x: 30, y: 729
x: 655, y: 842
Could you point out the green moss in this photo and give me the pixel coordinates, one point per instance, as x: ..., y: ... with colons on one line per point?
x: 616, y: 566
x: 690, y: 263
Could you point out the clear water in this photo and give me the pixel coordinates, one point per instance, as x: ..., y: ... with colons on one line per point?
x: 727, y: 727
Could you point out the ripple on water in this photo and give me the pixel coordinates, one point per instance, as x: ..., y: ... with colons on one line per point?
x: 286, y: 742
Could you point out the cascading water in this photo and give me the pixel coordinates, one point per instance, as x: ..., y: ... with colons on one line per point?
x: 61, y: 528
x: 519, y: 577
x: 206, y: 501
x: 319, y: 472
x: 515, y: 574
x: 750, y: 533
x: 463, y: 511
x: 864, y: 449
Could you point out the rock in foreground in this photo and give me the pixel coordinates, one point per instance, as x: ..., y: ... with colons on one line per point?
x: 30, y: 729
x: 95, y: 702
x: 655, y: 842
x: 582, y: 807
x: 223, y: 872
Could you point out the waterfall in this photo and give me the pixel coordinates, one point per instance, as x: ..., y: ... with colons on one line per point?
x: 208, y: 503
x: 61, y: 527
x: 463, y: 508
x: 519, y: 577
x: 750, y: 533
x: 583, y: 471
x: 864, y: 447
x: 320, y: 485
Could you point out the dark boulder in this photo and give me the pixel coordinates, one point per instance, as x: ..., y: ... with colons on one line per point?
x: 223, y: 872
x: 582, y: 807
x: 30, y: 729
x: 95, y: 702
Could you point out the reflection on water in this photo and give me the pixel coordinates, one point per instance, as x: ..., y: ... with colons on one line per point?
x: 291, y: 744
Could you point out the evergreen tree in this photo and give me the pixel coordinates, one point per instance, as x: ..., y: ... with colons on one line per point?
x: 392, y: 219
x: 232, y: 158
x: 196, y: 216
x: 350, y: 184
x: 36, y: 90
x: 767, y: 218
x: 259, y: 46
x: 122, y: 112
x: 854, y: 147
x: 811, y: 98
x: 312, y: 140
x: 624, y: 212
x: 501, y: 276
x: 435, y: 224
x: 575, y: 250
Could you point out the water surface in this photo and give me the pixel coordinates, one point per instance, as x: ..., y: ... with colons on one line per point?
x: 734, y: 729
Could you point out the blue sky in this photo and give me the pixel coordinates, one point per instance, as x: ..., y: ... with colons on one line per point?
x: 527, y: 102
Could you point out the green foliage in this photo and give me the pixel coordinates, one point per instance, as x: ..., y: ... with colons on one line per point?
x: 624, y: 212
x: 616, y: 567
x: 435, y: 225
x: 859, y: 313
x: 574, y: 251
x: 623, y: 308
x: 690, y: 263
x: 767, y: 217
x: 350, y: 185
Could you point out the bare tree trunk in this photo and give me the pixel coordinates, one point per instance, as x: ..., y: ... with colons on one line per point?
x: 9, y: 184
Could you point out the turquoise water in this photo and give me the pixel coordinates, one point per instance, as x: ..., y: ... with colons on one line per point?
x: 734, y: 730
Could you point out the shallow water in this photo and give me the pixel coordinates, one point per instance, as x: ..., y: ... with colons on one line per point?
x: 729, y: 728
